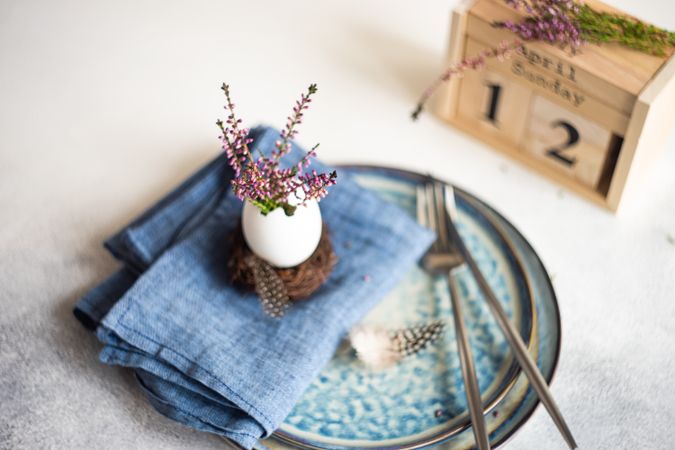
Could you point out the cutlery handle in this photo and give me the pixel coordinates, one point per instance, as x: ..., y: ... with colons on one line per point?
x: 517, y: 345
x: 468, y: 369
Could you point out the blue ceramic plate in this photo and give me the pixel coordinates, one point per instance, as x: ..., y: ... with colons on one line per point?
x: 421, y: 401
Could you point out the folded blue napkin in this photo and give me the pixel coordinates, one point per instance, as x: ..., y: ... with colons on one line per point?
x: 204, y: 352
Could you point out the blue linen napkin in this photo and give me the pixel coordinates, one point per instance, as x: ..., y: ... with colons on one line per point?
x: 204, y: 353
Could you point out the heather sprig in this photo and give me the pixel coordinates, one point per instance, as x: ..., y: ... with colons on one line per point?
x: 283, y: 145
x: 261, y: 180
x: 502, y: 52
x: 568, y: 24
x: 552, y: 21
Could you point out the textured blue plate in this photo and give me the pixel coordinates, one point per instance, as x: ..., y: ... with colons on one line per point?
x: 421, y: 402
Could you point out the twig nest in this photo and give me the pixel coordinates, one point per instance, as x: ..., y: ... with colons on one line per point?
x: 300, y: 281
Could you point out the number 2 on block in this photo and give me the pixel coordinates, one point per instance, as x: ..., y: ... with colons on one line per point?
x: 572, y: 139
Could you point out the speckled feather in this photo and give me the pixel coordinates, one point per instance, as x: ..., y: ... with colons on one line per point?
x: 269, y: 287
x: 409, y: 341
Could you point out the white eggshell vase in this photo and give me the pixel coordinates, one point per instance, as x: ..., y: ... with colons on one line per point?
x: 281, y: 240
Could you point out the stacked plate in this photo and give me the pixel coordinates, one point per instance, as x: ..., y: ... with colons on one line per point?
x: 421, y: 401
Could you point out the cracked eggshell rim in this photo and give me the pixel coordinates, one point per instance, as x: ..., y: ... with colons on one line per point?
x: 281, y: 240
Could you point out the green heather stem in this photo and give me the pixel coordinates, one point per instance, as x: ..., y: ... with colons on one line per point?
x: 265, y: 206
x: 601, y: 27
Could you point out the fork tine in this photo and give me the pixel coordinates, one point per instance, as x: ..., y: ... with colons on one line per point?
x: 439, y: 210
x: 421, y: 207
x: 430, y: 213
x: 450, y: 202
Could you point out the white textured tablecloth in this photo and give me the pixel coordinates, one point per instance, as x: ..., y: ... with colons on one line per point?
x: 104, y: 106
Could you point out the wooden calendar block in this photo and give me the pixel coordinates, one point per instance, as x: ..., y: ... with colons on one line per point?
x: 592, y: 121
x: 493, y: 104
x: 566, y: 141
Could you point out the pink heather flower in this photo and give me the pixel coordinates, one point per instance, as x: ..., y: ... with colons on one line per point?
x: 504, y: 51
x: 261, y: 181
x: 552, y: 21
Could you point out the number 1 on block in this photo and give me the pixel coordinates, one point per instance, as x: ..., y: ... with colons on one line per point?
x: 494, y: 105
x: 493, y: 102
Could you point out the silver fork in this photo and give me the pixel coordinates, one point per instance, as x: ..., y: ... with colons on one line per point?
x: 443, y: 259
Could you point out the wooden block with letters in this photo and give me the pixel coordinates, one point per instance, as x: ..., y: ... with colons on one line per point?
x: 592, y: 121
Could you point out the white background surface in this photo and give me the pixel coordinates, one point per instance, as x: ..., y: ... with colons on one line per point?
x: 104, y: 106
